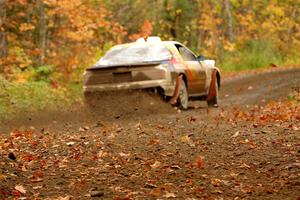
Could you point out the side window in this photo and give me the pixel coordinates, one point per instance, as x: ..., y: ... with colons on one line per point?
x: 185, y: 53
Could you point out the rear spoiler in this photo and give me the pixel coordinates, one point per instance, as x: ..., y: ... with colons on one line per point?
x: 150, y: 63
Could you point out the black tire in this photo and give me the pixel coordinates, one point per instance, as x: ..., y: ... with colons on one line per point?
x: 213, y: 101
x: 183, y: 98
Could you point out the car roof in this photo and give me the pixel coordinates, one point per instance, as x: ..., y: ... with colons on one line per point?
x: 165, y: 43
x: 168, y: 44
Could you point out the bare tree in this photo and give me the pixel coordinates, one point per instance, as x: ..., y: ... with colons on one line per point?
x: 228, y: 14
x: 291, y: 27
x: 42, y: 31
x: 3, y: 33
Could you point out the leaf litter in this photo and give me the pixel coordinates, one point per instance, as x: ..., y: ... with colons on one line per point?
x: 234, y: 153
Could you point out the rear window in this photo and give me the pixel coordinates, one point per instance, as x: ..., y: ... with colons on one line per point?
x: 135, y: 54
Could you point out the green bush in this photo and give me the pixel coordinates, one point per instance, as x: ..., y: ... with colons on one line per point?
x: 43, y: 73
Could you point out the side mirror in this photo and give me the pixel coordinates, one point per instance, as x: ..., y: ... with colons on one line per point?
x: 200, y: 58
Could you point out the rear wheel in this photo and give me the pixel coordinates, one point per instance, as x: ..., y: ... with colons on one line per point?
x: 183, y: 97
x: 180, y: 97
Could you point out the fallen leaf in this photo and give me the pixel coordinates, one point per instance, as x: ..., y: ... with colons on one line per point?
x: 70, y: 143
x: 185, y: 139
x: 122, y: 198
x: 20, y: 188
x: 154, y: 141
x: 37, y: 187
x: 167, y: 187
x: 82, y: 129
x: 126, y: 155
x: 192, y: 119
x: 169, y: 195
x: 2, y: 177
x: 16, y: 134
x: 175, y: 167
x: 216, y: 182
x: 155, y: 192
x: 28, y: 158
x: 199, y: 162
x: 156, y: 164
x: 16, y: 193
x: 246, y: 189
x: 150, y: 185
x: 102, y: 154
x: 235, y: 135
x: 65, y: 198
x: 138, y: 126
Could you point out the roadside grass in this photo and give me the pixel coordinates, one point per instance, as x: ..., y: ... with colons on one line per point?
x: 253, y: 55
x: 16, y: 98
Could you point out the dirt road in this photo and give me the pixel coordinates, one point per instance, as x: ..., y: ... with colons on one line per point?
x: 142, y: 148
x: 259, y: 88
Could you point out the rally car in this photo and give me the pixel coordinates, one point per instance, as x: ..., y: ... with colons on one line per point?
x: 168, y: 66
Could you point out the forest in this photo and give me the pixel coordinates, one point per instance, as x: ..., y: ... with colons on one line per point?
x: 48, y: 43
x: 134, y: 144
x: 40, y: 38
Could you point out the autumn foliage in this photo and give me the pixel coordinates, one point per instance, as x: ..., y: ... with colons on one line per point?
x: 65, y: 34
x: 69, y: 35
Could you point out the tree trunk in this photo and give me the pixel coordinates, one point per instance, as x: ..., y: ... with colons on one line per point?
x: 199, y: 31
x: 227, y: 9
x: 290, y: 29
x: 42, y: 32
x: 3, y: 33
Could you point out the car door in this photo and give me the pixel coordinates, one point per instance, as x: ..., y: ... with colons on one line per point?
x: 196, y: 73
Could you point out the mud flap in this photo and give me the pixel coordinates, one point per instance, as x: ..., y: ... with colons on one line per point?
x: 175, y: 96
x: 212, y: 88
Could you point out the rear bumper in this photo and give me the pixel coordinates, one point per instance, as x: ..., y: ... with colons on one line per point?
x: 166, y: 85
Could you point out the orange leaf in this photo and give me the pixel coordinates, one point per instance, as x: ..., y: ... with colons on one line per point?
x: 16, y: 193
x: 199, y: 162
x: 28, y: 158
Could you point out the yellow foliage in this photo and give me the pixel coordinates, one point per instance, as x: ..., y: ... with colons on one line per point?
x: 76, y: 29
x: 276, y: 10
x: 145, y: 31
x: 26, y: 27
x: 229, y: 46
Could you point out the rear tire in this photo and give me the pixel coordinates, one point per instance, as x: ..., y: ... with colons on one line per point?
x: 183, y: 98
